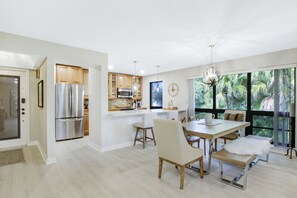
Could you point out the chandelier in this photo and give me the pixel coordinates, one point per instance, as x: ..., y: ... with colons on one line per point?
x: 211, y: 76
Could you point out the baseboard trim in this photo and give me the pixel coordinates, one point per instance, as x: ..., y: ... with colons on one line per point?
x: 46, y: 160
x: 94, y: 146
x: 117, y: 146
x: 51, y: 160
x: 109, y: 148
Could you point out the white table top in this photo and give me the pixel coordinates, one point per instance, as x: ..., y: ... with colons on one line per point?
x: 219, y: 129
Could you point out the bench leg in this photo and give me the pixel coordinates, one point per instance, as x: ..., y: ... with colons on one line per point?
x: 233, y: 182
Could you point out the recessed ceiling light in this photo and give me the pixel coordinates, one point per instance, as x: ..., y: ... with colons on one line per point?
x: 110, y: 67
x: 142, y: 71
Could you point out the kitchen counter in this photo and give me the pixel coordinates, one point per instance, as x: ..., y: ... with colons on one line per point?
x: 119, y: 130
x: 120, y: 108
x: 138, y: 112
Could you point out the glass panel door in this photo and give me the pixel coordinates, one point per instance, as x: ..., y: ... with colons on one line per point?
x: 9, y: 107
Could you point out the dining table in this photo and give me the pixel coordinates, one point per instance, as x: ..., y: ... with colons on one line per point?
x: 216, y: 129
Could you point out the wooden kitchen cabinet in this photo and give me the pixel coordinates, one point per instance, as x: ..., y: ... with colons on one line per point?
x: 86, y: 122
x: 112, y: 85
x: 124, y: 81
x: 69, y: 74
x: 116, y: 81
x: 75, y: 75
x: 86, y: 82
x: 138, y: 94
x: 62, y: 74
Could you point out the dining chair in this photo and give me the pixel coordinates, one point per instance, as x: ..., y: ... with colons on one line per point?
x: 235, y: 115
x: 193, y: 118
x: 173, y: 148
x: 146, y: 124
x: 190, y: 138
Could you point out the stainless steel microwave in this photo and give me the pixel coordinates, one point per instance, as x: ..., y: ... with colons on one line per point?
x: 125, y: 93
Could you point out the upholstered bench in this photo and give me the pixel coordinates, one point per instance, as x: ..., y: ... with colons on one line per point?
x: 268, y: 139
x: 244, y: 153
x: 242, y: 161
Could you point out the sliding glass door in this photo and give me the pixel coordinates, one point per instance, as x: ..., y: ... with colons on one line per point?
x: 264, y: 95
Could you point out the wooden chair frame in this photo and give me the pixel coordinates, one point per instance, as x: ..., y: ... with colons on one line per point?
x: 181, y: 168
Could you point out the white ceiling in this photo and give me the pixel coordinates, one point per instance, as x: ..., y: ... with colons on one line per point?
x: 171, y: 33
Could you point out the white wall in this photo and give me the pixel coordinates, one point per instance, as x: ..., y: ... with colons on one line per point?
x: 248, y: 64
x: 260, y: 62
x: 38, y: 116
x: 57, y: 53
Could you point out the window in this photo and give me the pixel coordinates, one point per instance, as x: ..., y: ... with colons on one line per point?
x: 203, y: 95
x: 262, y: 91
x: 231, y: 92
x: 156, y: 95
x: 264, y: 95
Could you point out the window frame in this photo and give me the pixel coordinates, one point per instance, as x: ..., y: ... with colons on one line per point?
x: 249, y: 112
x: 155, y: 107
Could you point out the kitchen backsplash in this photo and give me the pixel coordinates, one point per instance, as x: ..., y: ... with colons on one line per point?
x: 120, y: 103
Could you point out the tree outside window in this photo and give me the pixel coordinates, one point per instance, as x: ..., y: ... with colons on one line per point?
x: 231, y: 92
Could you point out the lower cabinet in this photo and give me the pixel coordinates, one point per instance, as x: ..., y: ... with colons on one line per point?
x: 86, y: 122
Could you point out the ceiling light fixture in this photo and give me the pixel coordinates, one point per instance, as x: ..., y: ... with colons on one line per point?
x: 135, y: 85
x: 158, y: 88
x: 211, y: 75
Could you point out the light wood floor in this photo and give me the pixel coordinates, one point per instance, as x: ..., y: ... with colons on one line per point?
x: 132, y: 172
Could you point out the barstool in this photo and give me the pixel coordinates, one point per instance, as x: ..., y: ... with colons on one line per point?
x: 146, y: 124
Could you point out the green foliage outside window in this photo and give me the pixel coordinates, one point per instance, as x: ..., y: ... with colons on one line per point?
x: 232, y: 92
x: 203, y: 95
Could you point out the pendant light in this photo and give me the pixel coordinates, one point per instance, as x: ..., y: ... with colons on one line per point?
x: 135, y: 85
x: 158, y: 88
x: 211, y: 75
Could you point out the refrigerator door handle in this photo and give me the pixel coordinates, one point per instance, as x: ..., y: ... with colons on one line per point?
x: 70, y: 100
x: 75, y: 119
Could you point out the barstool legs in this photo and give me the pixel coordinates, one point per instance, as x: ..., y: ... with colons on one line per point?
x: 136, y: 136
x: 153, y: 136
x: 144, y: 137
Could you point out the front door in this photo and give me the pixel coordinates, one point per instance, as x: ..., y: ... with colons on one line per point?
x: 14, y: 108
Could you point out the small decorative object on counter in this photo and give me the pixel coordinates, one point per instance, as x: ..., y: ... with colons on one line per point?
x: 170, y: 104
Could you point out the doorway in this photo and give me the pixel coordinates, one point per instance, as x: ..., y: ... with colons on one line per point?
x: 14, y: 106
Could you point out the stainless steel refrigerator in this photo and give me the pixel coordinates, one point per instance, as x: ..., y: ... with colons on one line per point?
x: 69, y: 111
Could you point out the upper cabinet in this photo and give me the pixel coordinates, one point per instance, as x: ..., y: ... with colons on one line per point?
x: 62, y: 74
x: 124, y: 81
x: 86, y: 81
x: 116, y: 81
x: 69, y: 74
x: 112, y: 85
x: 138, y: 94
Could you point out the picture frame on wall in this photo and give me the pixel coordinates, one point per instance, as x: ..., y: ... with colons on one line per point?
x: 40, y: 93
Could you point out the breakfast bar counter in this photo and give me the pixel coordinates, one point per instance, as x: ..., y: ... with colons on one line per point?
x: 140, y: 112
x: 118, y: 126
